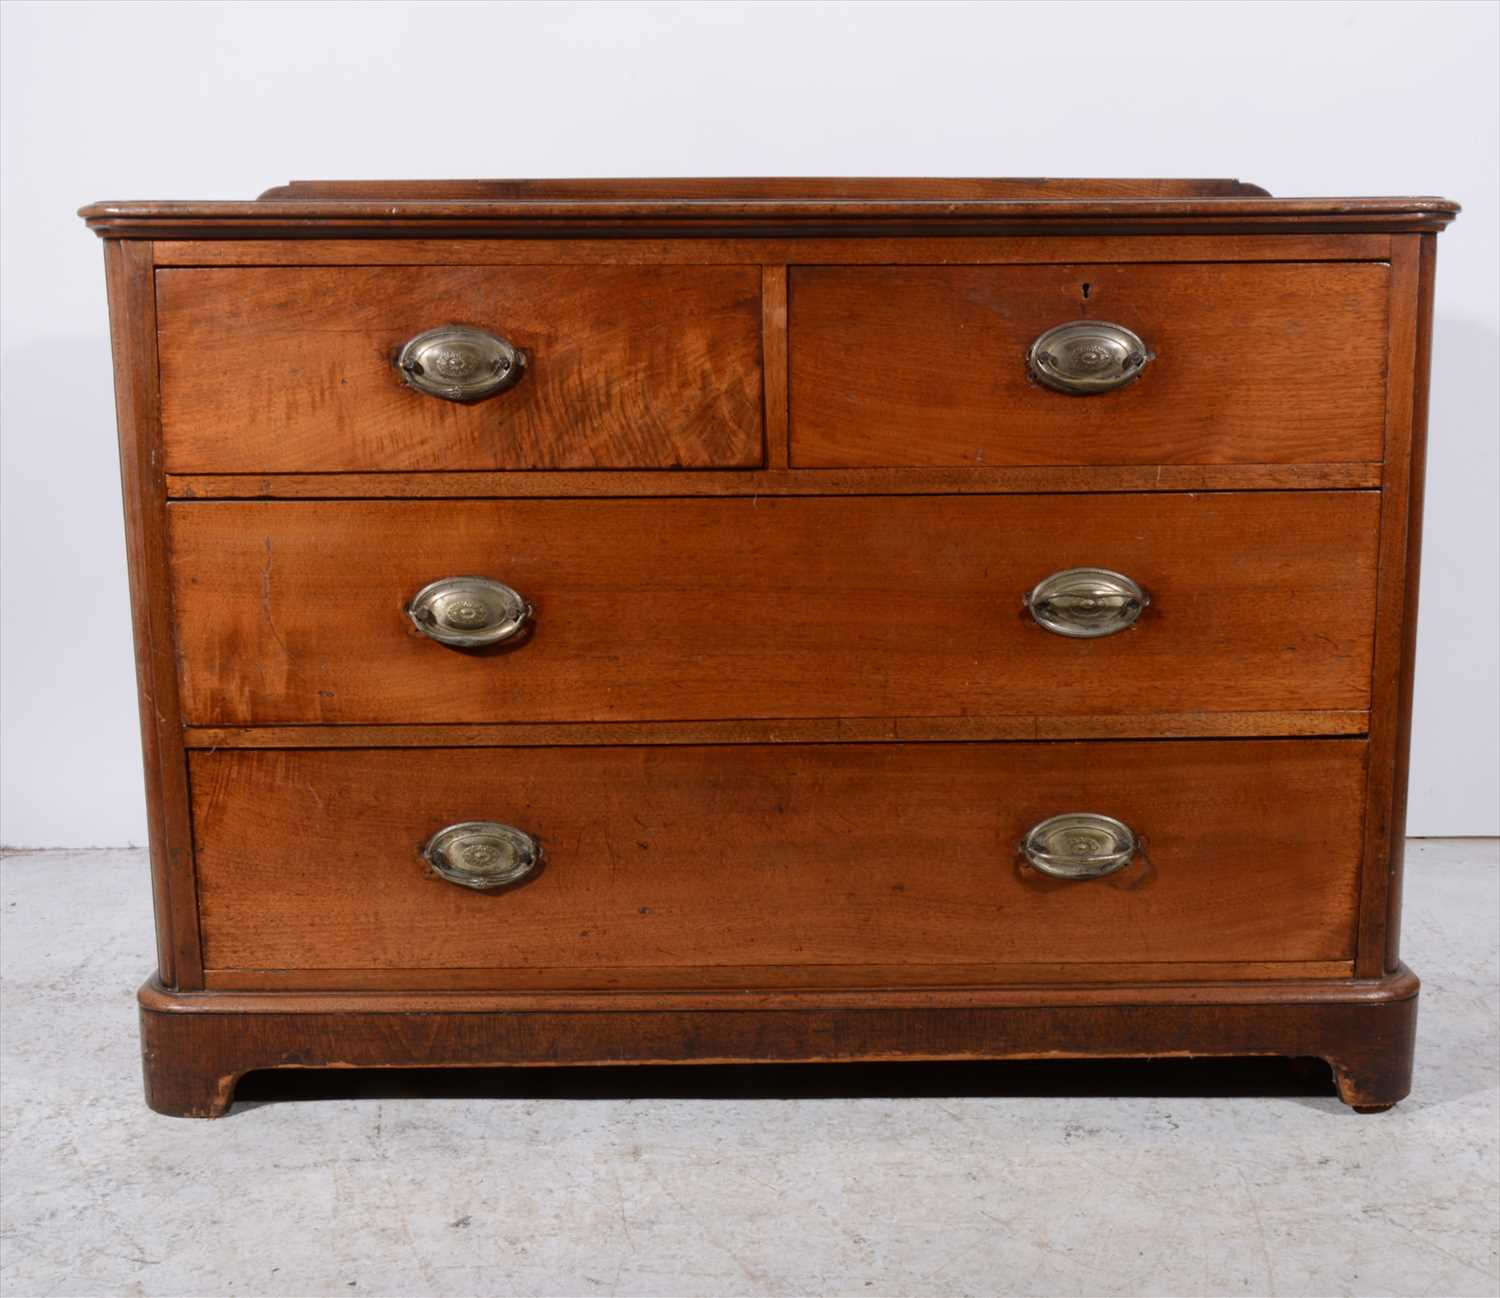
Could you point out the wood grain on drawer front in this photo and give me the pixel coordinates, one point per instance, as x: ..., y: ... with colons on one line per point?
x: 792, y: 607
x: 778, y: 855
x: 290, y: 369
x: 1256, y: 364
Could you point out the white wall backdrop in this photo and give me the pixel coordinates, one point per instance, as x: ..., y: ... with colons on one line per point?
x: 123, y: 100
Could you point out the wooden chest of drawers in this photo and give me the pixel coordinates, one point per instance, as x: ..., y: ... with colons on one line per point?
x: 772, y: 620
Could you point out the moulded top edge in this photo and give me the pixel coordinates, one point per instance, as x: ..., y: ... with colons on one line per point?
x: 311, y: 217
x: 715, y: 208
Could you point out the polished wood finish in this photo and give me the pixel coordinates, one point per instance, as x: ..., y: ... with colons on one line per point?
x: 132, y: 318
x: 777, y: 482
x: 195, y: 1048
x: 626, y: 368
x: 776, y: 986
x: 1412, y: 267
x: 826, y: 652
x: 813, y: 250
x: 927, y: 365
x: 825, y: 856
x: 774, y: 354
x: 823, y: 607
x: 1415, y: 490
x: 813, y: 730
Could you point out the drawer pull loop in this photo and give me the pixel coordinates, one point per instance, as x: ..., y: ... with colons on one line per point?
x: 482, y: 854
x: 1085, y: 603
x: 1080, y: 845
x: 469, y: 612
x: 1087, y: 357
x: 460, y: 363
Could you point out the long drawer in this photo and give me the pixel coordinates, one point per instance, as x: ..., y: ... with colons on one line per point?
x: 294, y: 613
x: 931, y: 365
x: 757, y: 864
x: 297, y: 369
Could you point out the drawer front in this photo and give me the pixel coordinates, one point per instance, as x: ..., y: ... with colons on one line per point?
x: 828, y: 859
x: 1253, y: 364
x: 792, y: 607
x: 294, y: 369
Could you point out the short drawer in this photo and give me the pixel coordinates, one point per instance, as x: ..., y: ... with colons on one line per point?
x: 1264, y: 363
x: 295, y: 369
x: 823, y: 865
x: 296, y: 612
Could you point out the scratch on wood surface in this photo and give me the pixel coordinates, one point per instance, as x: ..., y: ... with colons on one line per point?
x: 265, y: 594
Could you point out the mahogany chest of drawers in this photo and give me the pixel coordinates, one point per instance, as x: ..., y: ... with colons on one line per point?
x: 772, y: 620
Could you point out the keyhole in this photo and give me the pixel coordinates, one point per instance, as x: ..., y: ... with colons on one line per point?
x: 1086, y: 289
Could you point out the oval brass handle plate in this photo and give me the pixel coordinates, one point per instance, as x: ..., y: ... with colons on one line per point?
x: 1080, y: 845
x: 482, y: 854
x: 460, y: 363
x: 1086, y: 603
x: 1087, y: 357
x: 469, y: 612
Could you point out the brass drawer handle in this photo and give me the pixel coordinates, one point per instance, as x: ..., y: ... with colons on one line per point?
x: 460, y: 363
x: 1080, y: 845
x: 1087, y: 357
x: 469, y: 612
x: 482, y: 854
x: 1085, y: 603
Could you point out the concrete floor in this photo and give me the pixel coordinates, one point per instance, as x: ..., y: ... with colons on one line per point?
x: 1162, y: 1179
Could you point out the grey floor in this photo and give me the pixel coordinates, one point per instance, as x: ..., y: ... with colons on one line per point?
x: 1184, y: 1178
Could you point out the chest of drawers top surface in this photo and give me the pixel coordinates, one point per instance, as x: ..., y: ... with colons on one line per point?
x: 914, y: 615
